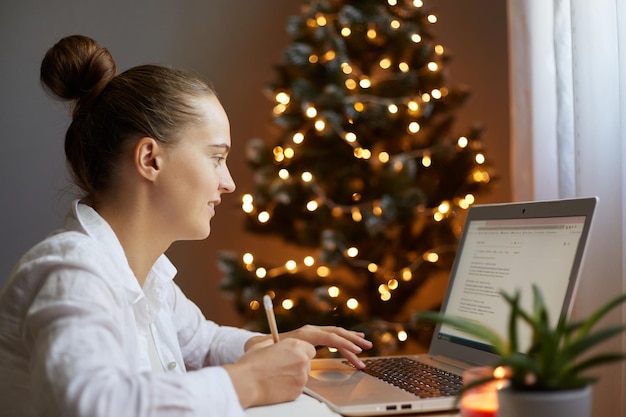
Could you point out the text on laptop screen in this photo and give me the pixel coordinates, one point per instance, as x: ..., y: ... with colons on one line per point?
x: 510, y: 256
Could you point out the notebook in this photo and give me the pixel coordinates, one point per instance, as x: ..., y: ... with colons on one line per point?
x: 503, y: 247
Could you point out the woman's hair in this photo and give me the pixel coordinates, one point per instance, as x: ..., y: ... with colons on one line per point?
x: 110, y: 112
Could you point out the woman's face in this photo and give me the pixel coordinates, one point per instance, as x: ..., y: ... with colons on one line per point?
x: 195, y: 174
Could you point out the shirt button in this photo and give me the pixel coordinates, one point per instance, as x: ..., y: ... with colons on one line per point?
x: 171, y: 365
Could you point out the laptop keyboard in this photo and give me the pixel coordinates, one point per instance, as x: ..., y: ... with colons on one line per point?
x: 415, y: 377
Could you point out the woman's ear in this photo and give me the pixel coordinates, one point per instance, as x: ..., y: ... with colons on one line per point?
x: 148, y: 157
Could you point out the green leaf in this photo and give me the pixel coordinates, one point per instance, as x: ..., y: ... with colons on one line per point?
x: 588, y: 341
x: 601, y: 312
x: 476, y: 329
x: 596, y: 360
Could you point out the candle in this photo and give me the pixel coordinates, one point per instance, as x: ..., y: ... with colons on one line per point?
x: 482, y: 400
x: 480, y: 404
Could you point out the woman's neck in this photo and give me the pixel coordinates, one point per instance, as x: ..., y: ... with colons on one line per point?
x: 137, y: 234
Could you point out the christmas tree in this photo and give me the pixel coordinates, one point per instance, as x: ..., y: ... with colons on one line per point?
x: 365, y: 174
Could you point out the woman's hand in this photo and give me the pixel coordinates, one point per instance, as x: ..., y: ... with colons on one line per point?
x: 347, y: 342
x: 272, y: 373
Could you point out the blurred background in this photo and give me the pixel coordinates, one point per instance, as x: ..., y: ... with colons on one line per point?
x: 234, y: 45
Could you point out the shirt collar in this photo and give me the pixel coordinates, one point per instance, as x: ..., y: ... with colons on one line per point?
x: 84, y: 218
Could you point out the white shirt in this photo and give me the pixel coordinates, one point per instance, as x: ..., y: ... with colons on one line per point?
x: 75, y: 328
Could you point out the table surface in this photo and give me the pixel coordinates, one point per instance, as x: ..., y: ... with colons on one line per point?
x: 305, y: 406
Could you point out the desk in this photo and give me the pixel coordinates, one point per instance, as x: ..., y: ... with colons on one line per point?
x: 305, y: 406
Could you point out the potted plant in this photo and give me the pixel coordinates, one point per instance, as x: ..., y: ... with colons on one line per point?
x: 554, y: 365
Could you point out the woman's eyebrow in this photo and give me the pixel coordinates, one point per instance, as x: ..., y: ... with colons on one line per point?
x: 224, y: 146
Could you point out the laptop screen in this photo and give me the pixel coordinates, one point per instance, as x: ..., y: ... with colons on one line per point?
x: 510, y: 255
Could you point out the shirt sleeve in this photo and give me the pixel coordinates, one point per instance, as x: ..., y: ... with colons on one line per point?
x: 80, y: 358
x: 203, y: 342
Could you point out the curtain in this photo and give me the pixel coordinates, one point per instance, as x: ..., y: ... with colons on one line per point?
x: 568, y: 118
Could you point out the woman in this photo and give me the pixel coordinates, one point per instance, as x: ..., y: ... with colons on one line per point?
x: 91, y: 323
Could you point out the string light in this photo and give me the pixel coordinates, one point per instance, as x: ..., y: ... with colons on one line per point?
x: 480, y: 176
x: 291, y: 265
x: 247, y: 203
x: 283, y: 174
x: 407, y: 274
x: 320, y: 125
x: 279, y: 108
x: 323, y: 271
x: 432, y: 66
x: 350, y: 137
x: 333, y: 291
x: 431, y: 257
x: 298, y: 138
x: 263, y: 217
x: 402, y: 336
x: 414, y: 127
x: 310, y: 112
x: 282, y: 97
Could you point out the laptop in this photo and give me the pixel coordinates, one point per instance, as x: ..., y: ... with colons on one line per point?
x: 503, y: 247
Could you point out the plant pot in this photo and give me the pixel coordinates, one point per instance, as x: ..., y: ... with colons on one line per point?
x: 565, y: 403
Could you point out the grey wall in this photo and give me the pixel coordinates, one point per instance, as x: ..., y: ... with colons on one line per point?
x: 234, y: 45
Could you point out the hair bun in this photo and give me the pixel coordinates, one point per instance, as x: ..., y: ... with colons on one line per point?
x: 77, y: 68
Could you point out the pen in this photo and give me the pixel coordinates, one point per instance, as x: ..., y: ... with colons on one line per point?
x: 271, y: 319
